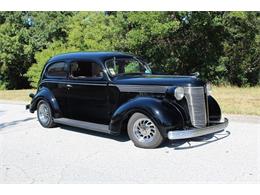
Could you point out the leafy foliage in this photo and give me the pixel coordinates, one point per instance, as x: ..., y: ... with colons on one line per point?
x: 22, y: 34
x: 222, y: 46
x: 242, y: 48
x: 42, y: 57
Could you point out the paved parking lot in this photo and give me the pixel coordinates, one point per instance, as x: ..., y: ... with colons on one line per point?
x: 32, y: 154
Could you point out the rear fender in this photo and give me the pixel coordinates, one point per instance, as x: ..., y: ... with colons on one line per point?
x: 45, y: 94
x: 163, y: 114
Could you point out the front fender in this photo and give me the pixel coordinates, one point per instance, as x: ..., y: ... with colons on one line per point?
x: 45, y: 94
x: 163, y: 114
x: 214, y: 109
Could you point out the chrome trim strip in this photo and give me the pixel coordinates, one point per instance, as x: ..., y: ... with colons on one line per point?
x: 143, y: 88
x: 75, y: 83
x: 122, y: 88
x: 84, y: 125
x: 196, y: 132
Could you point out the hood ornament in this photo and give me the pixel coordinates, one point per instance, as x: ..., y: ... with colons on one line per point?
x: 195, y: 74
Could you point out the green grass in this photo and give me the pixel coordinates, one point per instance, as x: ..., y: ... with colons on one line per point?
x: 16, y: 95
x: 232, y: 100
x: 235, y: 100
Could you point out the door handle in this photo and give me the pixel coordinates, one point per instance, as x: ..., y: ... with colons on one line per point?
x: 69, y: 86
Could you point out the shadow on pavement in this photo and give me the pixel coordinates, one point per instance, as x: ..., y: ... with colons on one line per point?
x: 176, y: 144
x: 122, y: 137
x: 12, y: 123
x: 196, y: 142
x: 1, y: 112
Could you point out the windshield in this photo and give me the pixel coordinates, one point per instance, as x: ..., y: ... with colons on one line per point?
x: 121, y: 66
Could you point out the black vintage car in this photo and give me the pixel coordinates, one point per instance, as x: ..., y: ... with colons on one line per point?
x: 112, y: 92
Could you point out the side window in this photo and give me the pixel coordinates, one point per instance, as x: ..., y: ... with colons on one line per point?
x: 85, y: 70
x: 57, y: 70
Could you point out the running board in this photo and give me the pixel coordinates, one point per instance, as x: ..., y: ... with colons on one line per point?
x: 84, y: 125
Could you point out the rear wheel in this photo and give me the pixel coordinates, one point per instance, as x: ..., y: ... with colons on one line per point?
x: 143, y: 132
x: 44, y: 114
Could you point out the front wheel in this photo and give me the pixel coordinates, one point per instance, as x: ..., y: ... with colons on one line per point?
x: 44, y: 114
x: 143, y: 132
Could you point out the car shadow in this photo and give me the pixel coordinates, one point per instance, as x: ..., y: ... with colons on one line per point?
x: 1, y: 112
x: 196, y: 142
x: 16, y: 122
x: 123, y: 137
x: 175, y: 144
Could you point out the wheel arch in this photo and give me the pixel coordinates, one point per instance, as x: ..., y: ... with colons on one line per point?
x: 214, y: 109
x: 46, y: 95
x: 163, y: 114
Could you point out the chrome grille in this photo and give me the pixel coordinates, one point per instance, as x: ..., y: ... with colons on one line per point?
x: 195, y: 97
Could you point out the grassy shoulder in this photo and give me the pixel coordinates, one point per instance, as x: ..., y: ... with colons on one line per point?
x: 16, y: 95
x: 235, y: 100
x: 232, y: 100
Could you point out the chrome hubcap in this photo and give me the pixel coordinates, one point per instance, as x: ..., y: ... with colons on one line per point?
x: 44, y: 114
x: 144, y: 130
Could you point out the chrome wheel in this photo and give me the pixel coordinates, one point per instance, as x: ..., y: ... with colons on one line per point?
x: 144, y: 130
x: 44, y: 114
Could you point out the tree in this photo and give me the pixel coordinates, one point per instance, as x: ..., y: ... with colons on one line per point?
x: 42, y: 57
x: 241, y: 48
x: 22, y: 34
x: 222, y: 46
x: 197, y: 45
x: 95, y: 31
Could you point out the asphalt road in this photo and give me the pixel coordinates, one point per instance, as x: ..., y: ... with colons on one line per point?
x: 32, y: 154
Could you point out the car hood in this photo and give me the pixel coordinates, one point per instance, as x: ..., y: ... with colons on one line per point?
x: 161, y: 80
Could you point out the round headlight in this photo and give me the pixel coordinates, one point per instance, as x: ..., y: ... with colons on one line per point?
x: 208, y: 89
x: 179, y: 93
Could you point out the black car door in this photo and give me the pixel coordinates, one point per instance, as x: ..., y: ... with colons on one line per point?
x: 87, y: 92
x: 55, y: 79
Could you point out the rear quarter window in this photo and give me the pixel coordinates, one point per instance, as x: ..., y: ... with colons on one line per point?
x: 57, y: 70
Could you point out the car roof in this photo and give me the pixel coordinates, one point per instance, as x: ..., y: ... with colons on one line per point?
x: 88, y: 56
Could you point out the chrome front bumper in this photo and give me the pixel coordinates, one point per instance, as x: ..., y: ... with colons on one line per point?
x: 196, y: 132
